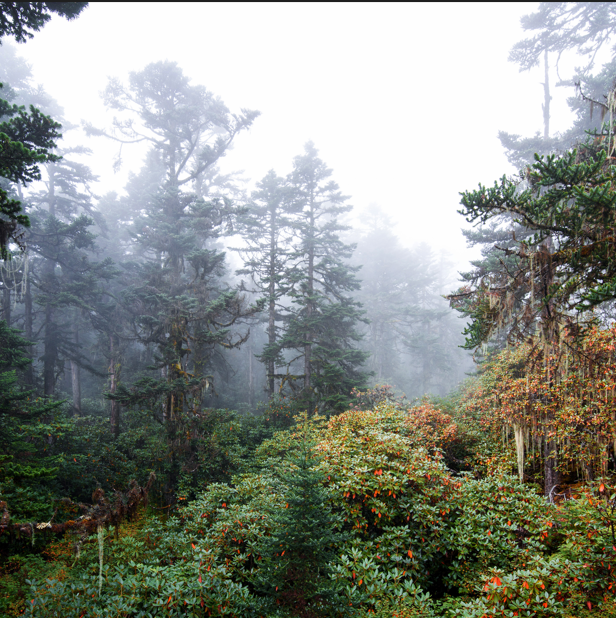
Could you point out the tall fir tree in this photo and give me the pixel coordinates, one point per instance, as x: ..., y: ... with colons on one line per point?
x: 321, y: 327
x: 266, y: 229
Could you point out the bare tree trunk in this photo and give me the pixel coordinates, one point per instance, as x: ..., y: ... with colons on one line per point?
x: 271, y: 328
x: 251, y: 385
x: 50, y: 354
x: 546, y: 98
x: 76, y: 377
x: 50, y: 341
x: 6, y: 306
x: 29, y: 373
x: 114, y: 370
x: 309, y: 311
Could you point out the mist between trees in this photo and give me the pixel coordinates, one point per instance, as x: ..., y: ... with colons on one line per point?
x: 258, y: 402
x: 142, y: 286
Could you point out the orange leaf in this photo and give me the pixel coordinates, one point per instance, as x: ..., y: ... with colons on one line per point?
x: 410, y: 553
x: 200, y: 580
x: 193, y: 546
x: 602, y: 488
x: 169, y: 600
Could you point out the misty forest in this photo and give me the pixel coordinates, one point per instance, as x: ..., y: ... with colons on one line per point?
x: 244, y: 397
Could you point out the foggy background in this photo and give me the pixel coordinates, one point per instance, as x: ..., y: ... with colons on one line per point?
x: 403, y: 101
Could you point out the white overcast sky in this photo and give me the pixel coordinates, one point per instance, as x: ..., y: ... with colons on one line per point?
x: 404, y: 101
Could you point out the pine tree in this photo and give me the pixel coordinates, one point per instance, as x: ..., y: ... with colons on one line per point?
x: 556, y: 274
x: 558, y: 28
x: 176, y: 292
x: 27, y: 465
x: 266, y: 228
x: 57, y: 271
x: 26, y: 138
x: 321, y: 328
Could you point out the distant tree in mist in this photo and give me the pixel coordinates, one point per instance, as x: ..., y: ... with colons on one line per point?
x: 26, y: 137
x: 411, y: 336
x: 58, y: 278
x: 266, y: 228
x: 174, y: 298
x: 557, y: 29
x: 320, y: 327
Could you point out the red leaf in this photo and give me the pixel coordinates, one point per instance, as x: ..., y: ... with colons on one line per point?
x: 200, y: 580
x: 589, y: 604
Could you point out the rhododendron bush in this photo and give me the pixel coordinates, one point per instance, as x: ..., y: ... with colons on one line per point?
x: 406, y: 535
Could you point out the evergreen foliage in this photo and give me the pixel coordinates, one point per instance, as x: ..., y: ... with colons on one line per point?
x: 320, y: 330
x: 295, y: 569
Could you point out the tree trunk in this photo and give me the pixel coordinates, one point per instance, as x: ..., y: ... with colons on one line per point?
x: 518, y: 432
x: 50, y: 354
x: 548, y: 317
x: 546, y: 99
x: 271, y: 325
x: 76, y: 377
x: 50, y: 342
x: 251, y: 386
x: 114, y: 370
x: 309, y: 311
x: 6, y: 305
x: 29, y: 373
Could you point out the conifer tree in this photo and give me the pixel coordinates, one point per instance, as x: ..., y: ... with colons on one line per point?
x: 296, y: 558
x: 266, y: 228
x: 321, y: 328
x: 26, y: 137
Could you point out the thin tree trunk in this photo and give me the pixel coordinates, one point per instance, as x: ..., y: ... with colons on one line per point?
x: 29, y: 373
x: 50, y: 342
x: 76, y: 376
x: 271, y: 325
x: 309, y: 311
x: 546, y: 98
x: 114, y: 369
x: 251, y: 386
x: 6, y: 306
x: 50, y: 354
x: 550, y: 445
